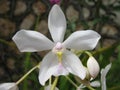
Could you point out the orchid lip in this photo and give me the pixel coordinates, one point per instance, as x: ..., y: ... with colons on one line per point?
x: 60, y: 68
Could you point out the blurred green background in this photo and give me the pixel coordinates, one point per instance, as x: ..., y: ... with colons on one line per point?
x: 102, y: 16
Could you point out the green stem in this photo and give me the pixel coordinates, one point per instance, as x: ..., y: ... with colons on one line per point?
x: 54, y: 84
x: 90, y: 88
x: 6, y: 42
x: 50, y: 81
x: 100, y: 50
x: 71, y: 81
x: 105, y: 49
x: 27, y: 65
x: 26, y: 61
x: 88, y: 53
x: 31, y: 70
x: 37, y: 21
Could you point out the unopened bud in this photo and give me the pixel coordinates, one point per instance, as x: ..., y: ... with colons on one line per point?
x: 93, y: 67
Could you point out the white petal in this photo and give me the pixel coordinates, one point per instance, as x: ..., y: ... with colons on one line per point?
x: 49, y: 87
x: 8, y: 86
x: 72, y: 63
x: 31, y: 41
x: 82, y: 40
x: 103, y: 76
x: 93, y: 67
x: 95, y: 84
x: 57, y: 23
x: 47, y: 67
x: 50, y: 66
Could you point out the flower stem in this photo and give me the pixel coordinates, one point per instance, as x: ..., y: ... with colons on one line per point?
x: 71, y: 81
x: 31, y: 70
x: 88, y: 53
x: 90, y: 88
x: 50, y: 81
x: 54, y: 84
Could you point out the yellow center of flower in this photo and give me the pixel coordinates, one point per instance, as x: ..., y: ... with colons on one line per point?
x: 59, y: 55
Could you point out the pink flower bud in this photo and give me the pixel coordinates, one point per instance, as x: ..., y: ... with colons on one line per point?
x: 93, y: 67
x: 54, y: 1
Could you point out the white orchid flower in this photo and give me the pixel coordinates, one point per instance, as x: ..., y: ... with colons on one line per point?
x: 8, y: 86
x: 59, y: 61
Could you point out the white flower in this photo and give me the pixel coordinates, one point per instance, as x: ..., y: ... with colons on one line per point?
x: 49, y: 87
x: 93, y: 67
x: 8, y: 86
x: 59, y: 61
x: 103, y: 76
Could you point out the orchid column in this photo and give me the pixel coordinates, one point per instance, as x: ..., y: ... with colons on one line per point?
x: 60, y: 60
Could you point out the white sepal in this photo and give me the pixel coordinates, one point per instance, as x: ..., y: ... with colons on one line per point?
x: 31, y: 41
x: 57, y: 23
